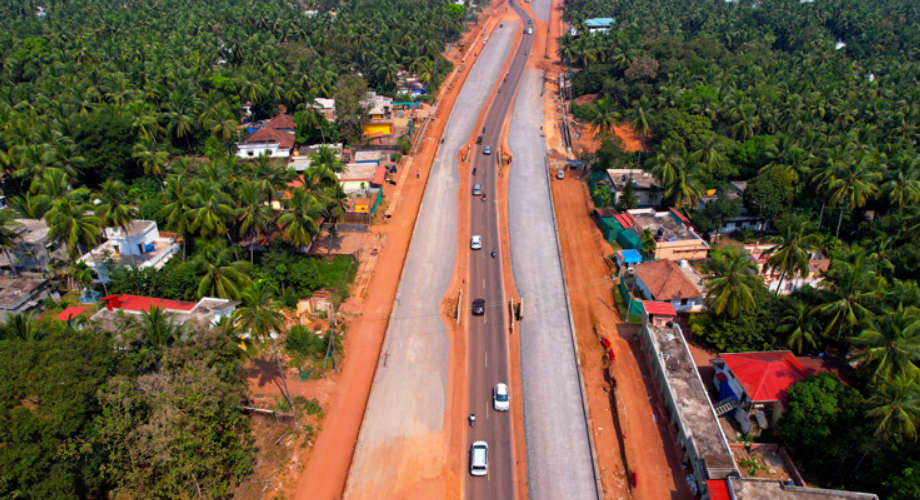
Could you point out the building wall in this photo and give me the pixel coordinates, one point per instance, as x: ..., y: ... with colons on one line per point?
x: 129, y: 245
x: 252, y: 151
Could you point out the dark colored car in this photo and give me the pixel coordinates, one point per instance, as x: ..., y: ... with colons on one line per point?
x: 479, y: 140
x: 479, y: 307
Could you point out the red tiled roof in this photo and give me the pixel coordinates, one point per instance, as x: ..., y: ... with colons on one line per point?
x: 269, y: 135
x: 659, y: 308
x: 766, y: 376
x: 666, y: 281
x: 70, y: 313
x: 624, y: 220
x: 139, y: 303
x: 718, y: 489
x: 379, y: 175
x: 282, y: 121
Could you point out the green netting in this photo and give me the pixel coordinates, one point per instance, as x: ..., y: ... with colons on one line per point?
x: 629, y: 239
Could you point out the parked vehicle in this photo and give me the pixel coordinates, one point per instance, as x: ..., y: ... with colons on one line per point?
x: 479, y: 458
x: 560, y: 174
x: 500, y: 397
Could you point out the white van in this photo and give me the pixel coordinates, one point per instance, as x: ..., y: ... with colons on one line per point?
x: 476, y: 242
x: 479, y: 458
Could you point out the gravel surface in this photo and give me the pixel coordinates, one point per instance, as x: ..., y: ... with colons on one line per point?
x: 408, y: 395
x: 558, y: 453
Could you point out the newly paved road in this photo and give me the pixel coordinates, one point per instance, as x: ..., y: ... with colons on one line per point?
x: 408, y: 396
x: 488, y: 336
x: 559, y: 463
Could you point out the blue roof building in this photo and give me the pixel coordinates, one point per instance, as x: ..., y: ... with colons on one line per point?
x: 628, y: 258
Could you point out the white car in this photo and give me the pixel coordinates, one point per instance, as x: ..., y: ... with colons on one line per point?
x: 479, y: 458
x: 476, y: 242
x: 500, y: 397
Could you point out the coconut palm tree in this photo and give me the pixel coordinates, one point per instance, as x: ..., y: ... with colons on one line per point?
x: 903, y: 185
x: 890, y: 347
x: 261, y: 315
x: 851, y: 184
x: 896, y: 408
x: 792, y: 253
x: 256, y: 217
x: 177, y: 212
x: 72, y: 224
x: 801, y: 327
x: 211, y: 209
x: 22, y: 327
x: 112, y: 209
x: 298, y: 222
x: 8, y: 236
x: 854, y: 289
x: 224, y: 277
x: 732, y: 284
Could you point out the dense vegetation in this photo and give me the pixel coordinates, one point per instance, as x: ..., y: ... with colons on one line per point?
x: 826, y: 135
x: 112, y: 111
x: 155, y: 418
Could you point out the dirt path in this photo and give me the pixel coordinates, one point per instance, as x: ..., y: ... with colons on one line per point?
x: 327, y: 466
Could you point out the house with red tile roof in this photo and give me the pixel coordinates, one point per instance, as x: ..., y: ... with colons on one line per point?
x: 754, y: 385
x: 283, y: 122
x: 666, y: 281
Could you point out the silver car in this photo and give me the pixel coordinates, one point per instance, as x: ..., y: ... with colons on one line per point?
x: 479, y: 458
x: 500, y: 397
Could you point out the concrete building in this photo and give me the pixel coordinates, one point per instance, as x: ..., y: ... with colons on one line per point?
x: 379, y: 111
x: 675, y: 238
x: 699, y: 434
x: 666, y: 281
x: 206, y: 312
x: 19, y: 294
x: 33, y: 250
x: 744, y: 219
x: 268, y: 142
x: 139, y: 244
x: 817, y: 265
x: 361, y: 178
x: 599, y: 24
x: 713, y: 470
x: 648, y: 190
x: 749, y: 488
x: 326, y: 107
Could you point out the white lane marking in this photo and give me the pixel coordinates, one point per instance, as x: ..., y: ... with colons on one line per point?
x: 483, y: 283
x: 487, y: 358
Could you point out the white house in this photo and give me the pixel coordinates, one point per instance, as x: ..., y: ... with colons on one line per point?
x: 361, y: 178
x: 141, y: 246
x: 208, y: 311
x: 599, y: 24
x: 266, y: 141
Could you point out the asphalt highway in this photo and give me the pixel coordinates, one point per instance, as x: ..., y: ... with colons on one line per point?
x: 488, y: 336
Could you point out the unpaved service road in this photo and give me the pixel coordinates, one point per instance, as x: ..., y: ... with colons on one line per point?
x: 408, y: 397
x: 559, y: 462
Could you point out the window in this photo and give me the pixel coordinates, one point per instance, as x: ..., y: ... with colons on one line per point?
x: 684, y: 302
x: 250, y: 153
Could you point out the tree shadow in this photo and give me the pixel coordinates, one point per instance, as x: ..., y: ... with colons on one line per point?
x: 264, y: 370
